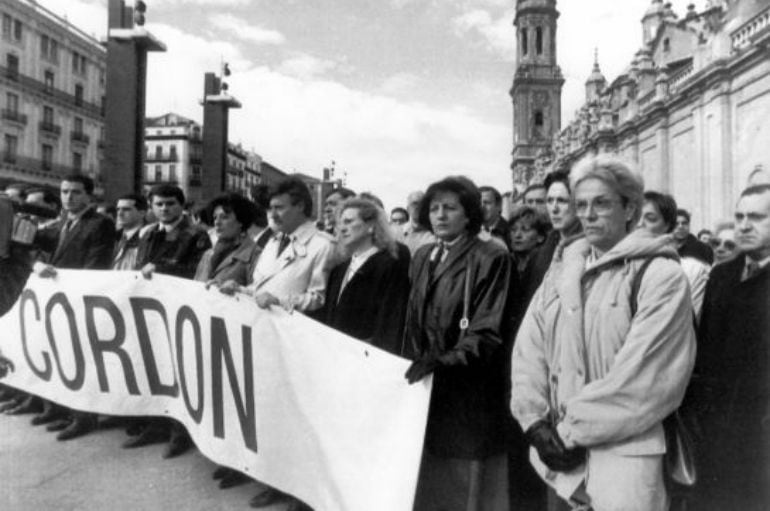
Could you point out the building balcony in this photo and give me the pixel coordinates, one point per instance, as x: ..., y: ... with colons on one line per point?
x: 14, y: 116
x: 161, y: 158
x: 79, y: 136
x: 196, y: 159
x: 195, y: 181
x: 35, y: 167
x: 38, y: 86
x: 50, y: 128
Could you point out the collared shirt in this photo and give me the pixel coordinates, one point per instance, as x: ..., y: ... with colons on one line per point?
x: 751, y: 266
x: 444, y: 247
x: 170, y: 227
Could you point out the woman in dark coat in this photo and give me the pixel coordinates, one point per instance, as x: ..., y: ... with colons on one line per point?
x: 367, y: 292
x: 234, y: 253
x: 228, y: 265
x: 456, y: 306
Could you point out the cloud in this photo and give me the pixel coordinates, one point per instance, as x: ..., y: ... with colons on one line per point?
x: 239, y: 28
x: 304, y: 66
x: 399, y: 83
x: 496, y: 33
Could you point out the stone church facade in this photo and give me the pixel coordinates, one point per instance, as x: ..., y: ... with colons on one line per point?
x: 691, y: 110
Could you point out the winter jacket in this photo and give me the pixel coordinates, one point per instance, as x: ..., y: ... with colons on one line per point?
x: 580, y: 360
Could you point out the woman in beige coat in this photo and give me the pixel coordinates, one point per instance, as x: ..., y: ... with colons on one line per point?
x: 593, y: 377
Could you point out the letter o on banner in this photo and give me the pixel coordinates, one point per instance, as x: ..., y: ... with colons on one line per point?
x: 187, y: 315
x: 61, y: 300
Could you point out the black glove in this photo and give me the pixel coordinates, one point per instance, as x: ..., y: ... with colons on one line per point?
x: 6, y: 365
x: 420, y: 369
x: 544, y: 437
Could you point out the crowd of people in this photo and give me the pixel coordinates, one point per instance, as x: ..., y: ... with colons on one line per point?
x: 561, y: 340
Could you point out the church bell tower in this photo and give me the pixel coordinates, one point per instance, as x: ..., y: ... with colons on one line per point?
x: 536, y: 91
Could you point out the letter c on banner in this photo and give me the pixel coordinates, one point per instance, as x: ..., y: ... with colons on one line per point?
x: 60, y: 299
x: 45, y: 374
x: 186, y: 314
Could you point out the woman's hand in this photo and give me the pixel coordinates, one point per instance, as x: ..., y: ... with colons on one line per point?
x: 420, y: 369
x: 265, y: 300
x: 228, y: 287
x: 544, y: 437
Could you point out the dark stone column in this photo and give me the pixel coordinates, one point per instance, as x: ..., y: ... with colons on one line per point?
x: 216, y: 106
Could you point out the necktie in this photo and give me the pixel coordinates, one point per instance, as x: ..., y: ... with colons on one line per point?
x: 285, y: 239
x: 65, y: 229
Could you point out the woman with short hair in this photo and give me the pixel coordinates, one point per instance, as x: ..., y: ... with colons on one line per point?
x: 597, y: 365
x: 456, y: 306
x: 367, y: 292
x: 529, y: 228
x: 659, y: 213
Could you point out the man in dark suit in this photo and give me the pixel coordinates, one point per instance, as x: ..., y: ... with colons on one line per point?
x: 82, y: 239
x: 131, y: 210
x: 730, y: 390
x: 172, y: 246
x: 494, y: 223
x: 687, y: 244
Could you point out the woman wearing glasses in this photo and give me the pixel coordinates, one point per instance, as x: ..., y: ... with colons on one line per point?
x: 723, y: 243
x: 659, y: 218
x: 596, y: 368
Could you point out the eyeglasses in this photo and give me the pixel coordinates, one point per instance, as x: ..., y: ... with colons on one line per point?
x: 727, y: 244
x: 601, y: 206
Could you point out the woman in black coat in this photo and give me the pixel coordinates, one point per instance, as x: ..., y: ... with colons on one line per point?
x: 456, y: 307
x: 366, y: 293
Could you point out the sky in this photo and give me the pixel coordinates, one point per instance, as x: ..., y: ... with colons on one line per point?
x: 398, y: 93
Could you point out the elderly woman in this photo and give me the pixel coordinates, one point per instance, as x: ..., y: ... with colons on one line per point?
x: 659, y: 218
x: 367, y: 292
x: 456, y: 305
x: 723, y: 243
x: 596, y: 366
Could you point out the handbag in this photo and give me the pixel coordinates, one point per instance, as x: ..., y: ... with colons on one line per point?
x: 679, y: 461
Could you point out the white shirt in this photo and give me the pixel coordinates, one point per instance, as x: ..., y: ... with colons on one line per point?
x: 356, y: 262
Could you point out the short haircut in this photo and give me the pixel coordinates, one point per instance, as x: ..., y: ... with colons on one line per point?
x: 684, y: 213
x: 345, y: 193
x: 87, y: 182
x: 756, y: 189
x: 468, y: 195
x: 558, y: 176
x: 297, y: 191
x: 493, y: 191
x: 618, y: 175
x: 536, y: 186
x: 399, y: 209
x: 243, y: 209
x: 704, y: 231
x: 140, y: 202
x: 167, y: 191
x: 666, y: 206
x: 536, y: 219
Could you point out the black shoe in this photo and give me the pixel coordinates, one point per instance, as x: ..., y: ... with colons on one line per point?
x: 234, y: 478
x: 268, y: 498
x: 221, y: 472
x: 149, y: 435
x: 135, y: 426
x: 80, y: 426
x: 298, y: 505
x: 180, y: 443
x: 58, y: 425
x: 49, y: 415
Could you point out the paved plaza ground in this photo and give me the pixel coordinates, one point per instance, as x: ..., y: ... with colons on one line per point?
x: 94, y: 473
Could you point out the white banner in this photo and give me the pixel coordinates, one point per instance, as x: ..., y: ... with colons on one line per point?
x: 278, y: 396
